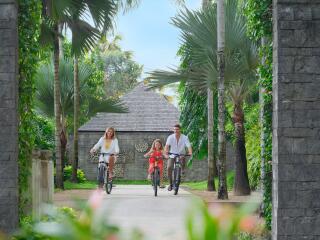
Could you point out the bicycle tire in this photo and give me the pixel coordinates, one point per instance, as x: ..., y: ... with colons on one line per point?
x: 177, y: 179
x: 108, y: 184
x: 101, y: 173
x: 154, y: 183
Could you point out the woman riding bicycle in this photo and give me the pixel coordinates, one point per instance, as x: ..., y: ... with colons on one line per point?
x: 109, y: 145
x: 156, y: 154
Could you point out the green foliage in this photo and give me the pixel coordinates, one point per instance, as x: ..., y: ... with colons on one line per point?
x: 203, y: 184
x: 259, y: 25
x: 62, y: 224
x: 67, y: 174
x: 259, y: 18
x: 28, y: 31
x: 122, y: 73
x: 27, y: 224
x: 44, y: 132
x: 252, y: 128
x: 193, y: 119
x: 91, y: 101
x: 220, y: 222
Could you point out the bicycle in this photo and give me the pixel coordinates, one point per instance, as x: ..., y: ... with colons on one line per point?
x: 177, y: 168
x: 155, y: 176
x: 103, y: 173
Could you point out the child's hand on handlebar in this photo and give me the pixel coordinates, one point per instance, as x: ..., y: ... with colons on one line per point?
x: 92, y: 151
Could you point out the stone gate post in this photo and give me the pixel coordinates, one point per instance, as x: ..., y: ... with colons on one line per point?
x: 42, y: 181
x: 8, y: 116
x: 296, y: 119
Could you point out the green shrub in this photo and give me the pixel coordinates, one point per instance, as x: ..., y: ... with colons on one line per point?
x: 61, y: 224
x: 253, y: 144
x: 67, y: 174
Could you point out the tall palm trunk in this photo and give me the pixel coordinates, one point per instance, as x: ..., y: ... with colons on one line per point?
x: 63, y: 140
x: 222, y: 190
x: 211, y: 156
x: 75, y: 120
x: 57, y: 113
x: 241, y: 180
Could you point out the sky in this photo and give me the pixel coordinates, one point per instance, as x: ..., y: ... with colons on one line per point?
x: 147, y: 32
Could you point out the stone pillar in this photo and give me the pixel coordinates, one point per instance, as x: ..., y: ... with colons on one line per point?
x: 296, y: 120
x: 8, y: 116
x: 42, y: 181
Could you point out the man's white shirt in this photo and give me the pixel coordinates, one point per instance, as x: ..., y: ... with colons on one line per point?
x: 178, y: 147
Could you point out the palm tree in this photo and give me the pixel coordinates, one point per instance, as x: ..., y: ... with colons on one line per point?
x: 222, y: 190
x: 211, y: 155
x: 237, y: 93
x: 199, y: 35
x: 60, y: 13
x: 45, y: 97
x: 106, y: 23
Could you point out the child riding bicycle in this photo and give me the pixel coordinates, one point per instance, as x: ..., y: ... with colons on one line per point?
x: 156, y: 154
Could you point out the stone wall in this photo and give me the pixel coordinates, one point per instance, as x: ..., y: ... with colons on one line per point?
x: 8, y: 116
x: 296, y: 120
x: 131, y: 164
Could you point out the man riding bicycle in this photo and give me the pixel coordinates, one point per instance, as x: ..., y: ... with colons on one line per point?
x: 177, y: 144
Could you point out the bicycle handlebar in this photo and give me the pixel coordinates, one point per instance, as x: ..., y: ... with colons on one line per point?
x: 108, y: 154
x: 179, y: 155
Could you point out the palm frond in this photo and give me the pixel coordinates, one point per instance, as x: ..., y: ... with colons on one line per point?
x: 84, y: 36
x: 199, y: 39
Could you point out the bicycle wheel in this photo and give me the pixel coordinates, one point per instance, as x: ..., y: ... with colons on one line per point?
x: 101, y: 173
x: 108, y: 183
x: 177, y: 178
x: 154, y: 183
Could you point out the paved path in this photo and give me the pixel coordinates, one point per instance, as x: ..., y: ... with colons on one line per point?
x: 134, y: 206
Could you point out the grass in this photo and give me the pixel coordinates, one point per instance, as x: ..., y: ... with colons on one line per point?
x: 85, y: 185
x: 93, y: 184
x: 192, y: 185
x: 203, y: 184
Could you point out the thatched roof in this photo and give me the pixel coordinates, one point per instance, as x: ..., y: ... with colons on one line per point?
x: 148, y: 111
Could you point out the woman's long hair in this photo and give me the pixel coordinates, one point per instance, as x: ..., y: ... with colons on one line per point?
x: 113, y: 135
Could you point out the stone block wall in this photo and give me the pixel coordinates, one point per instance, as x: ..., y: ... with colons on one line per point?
x: 8, y: 116
x: 131, y: 164
x: 296, y: 120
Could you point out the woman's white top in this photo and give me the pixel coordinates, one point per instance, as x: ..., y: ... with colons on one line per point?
x: 113, y: 148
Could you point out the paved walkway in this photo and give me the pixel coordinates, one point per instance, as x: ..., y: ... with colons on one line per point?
x: 134, y: 206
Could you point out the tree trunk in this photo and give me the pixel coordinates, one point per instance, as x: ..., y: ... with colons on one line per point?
x: 64, y: 142
x: 211, y: 159
x: 57, y: 113
x: 222, y: 190
x: 241, y: 180
x: 60, y: 26
x: 75, y: 121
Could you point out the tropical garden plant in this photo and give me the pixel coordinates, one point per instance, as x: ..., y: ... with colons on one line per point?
x: 71, y: 14
x: 90, y: 104
x: 199, y: 34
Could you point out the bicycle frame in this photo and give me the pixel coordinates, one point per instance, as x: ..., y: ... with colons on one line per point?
x: 177, y: 168
x: 155, y: 176
x: 103, y: 177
